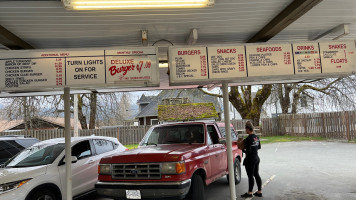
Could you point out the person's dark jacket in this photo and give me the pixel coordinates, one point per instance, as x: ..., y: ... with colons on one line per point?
x: 252, y: 145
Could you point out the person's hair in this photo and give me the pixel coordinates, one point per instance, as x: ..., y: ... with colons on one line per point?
x: 249, y: 126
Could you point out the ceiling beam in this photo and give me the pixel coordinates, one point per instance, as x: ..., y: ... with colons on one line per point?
x: 289, y: 15
x: 11, y: 41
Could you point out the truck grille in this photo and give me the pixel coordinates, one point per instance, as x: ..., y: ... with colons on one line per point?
x: 136, y: 171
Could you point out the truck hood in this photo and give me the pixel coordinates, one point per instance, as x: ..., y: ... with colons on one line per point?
x: 152, y: 153
x: 15, y: 174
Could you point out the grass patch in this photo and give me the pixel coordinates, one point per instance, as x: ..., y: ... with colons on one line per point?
x: 275, y: 139
x: 131, y: 146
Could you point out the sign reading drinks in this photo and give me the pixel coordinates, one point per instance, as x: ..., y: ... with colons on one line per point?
x: 188, y: 64
x: 269, y: 60
x: 35, y: 70
x: 227, y: 62
x: 337, y: 57
x: 306, y: 58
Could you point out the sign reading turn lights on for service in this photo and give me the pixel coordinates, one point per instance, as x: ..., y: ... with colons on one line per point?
x: 80, y: 69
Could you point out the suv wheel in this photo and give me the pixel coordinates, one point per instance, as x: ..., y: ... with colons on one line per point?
x: 44, y: 195
x: 237, y: 172
x: 197, y: 189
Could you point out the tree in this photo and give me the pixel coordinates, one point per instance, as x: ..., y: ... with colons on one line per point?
x: 248, y: 106
x: 337, y: 90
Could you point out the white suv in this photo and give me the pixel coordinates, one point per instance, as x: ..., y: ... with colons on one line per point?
x: 38, y: 172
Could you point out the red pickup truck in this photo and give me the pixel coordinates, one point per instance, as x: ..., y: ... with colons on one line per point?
x: 174, y: 160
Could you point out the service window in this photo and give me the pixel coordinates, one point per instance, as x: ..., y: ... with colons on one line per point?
x: 82, y: 150
x: 213, y: 134
x: 103, y: 146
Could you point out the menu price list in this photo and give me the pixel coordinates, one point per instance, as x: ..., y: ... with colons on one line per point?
x: 306, y: 58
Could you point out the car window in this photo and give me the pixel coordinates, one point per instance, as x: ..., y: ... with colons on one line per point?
x: 233, y: 133
x: 213, y: 134
x: 4, y: 153
x: 82, y: 150
x: 103, y: 146
x: 27, y: 142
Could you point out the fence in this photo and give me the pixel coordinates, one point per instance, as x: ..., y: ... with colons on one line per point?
x: 335, y: 125
x: 126, y: 135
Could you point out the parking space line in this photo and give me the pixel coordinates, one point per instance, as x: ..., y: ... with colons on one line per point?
x: 264, y: 185
x: 277, y: 147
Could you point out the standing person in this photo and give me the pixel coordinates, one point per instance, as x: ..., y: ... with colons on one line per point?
x: 252, y: 161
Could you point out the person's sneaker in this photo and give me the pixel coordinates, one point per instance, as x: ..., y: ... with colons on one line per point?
x: 246, y: 195
x: 257, y: 194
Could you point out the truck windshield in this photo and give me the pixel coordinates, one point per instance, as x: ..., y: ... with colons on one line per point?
x: 174, y: 134
x: 36, y: 155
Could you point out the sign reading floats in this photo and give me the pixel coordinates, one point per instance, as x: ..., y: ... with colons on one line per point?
x: 37, y: 70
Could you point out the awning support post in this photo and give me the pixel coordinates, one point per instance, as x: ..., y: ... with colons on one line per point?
x: 68, y: 156
x: 230, y: 159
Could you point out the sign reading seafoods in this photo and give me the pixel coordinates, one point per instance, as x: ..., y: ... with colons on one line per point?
x: 269, y: 60
x: 337, y: 57
x: 306, y: 58
x: 187, y: 64
x: 227, y: 62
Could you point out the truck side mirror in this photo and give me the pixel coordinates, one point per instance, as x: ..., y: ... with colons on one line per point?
x: 222, y: 141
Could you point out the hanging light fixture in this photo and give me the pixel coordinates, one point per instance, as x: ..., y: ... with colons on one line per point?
x: 134, y: 4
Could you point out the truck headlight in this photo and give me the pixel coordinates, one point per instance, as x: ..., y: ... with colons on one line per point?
x: 104, y: 169
x: 7, y: 187
x: 173, y: 167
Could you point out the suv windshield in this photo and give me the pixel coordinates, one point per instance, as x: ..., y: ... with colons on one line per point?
x: 36, y: 155
x: 192, y: 133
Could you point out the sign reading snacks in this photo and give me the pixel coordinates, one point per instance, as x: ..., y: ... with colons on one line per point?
x: 261, y: 62
x: 227, y: 62
x: 21, y: 70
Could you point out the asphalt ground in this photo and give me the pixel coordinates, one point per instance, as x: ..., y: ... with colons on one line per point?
x: 296, y: 171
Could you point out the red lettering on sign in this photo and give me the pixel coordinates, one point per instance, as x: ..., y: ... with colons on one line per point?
x: 342, y: 60
x: 266, y: 49
x: 338, y: 46
x: 305, y: 47
x: 219, y: 51
x: 190, y: 52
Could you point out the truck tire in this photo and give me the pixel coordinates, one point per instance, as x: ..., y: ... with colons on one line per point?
x: 237, y: 172
x: 197, y: 189
x: 44, y: 194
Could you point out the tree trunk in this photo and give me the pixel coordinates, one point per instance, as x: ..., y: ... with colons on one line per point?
x: 93, y: 102
x: 81, y: 116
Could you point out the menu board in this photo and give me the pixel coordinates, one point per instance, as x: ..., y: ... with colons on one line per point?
x: 88, y: 70
x: 131, y: 65
x: 337, y: 56
x: 269, y: 60
x: 20, y: 73
x: 187, y: 64
x: 306, y: 58
x: 38, y: 70
x: 227, y: 62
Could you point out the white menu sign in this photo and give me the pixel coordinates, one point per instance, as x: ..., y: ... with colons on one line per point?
x: 337, y: 56
x: 269, y: 60
x: 88, y: 70
x: 227, y: 62
x: 124, y: 66
x: 20, y: 73
x: 306, y: 58
x: 188, y: 64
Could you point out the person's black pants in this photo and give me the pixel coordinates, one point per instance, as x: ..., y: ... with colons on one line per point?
x: 252, y: 171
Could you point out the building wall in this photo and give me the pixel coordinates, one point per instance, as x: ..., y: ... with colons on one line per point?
x: 148, y: 120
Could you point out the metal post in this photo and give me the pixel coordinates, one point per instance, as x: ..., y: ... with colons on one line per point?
x: 76, y: 134
x: 230, y: 159
x: 68, y: 156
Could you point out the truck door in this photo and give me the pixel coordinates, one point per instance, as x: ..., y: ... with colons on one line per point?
x: 218, y: 153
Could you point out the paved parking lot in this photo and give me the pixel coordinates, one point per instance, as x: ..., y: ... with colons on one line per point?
x: 299, y: 171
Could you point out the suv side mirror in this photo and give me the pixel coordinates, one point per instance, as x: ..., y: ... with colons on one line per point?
x: 222, y: 141
x: 74, y: 159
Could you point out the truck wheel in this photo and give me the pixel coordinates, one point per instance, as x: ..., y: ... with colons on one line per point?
x: 197, y: 189
x: 44, y: 194
x: 237, y: 172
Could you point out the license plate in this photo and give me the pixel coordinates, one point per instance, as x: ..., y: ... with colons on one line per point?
x: 133, y: 194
